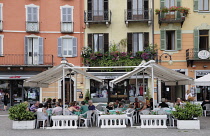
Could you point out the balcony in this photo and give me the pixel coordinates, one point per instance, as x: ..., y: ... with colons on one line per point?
x: 171, y: 17
x: 139, y: 15
x: 97, y: 16
x: 26, y: 60
x: 67, y: 27
x: 196, y: 55
x: 32, y: 27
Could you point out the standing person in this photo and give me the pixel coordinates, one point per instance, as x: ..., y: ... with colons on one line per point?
x: 188, y: 95
x: 6, y: 100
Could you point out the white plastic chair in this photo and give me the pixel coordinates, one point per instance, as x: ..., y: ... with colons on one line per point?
x: 207, y: 109
x: 130, y: 117
x: 41, y: 117
x: 58, y: 113
x: 87, y: 119
x: 144, y: 112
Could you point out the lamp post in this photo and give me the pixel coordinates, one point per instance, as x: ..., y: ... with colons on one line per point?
x: 166, y: 56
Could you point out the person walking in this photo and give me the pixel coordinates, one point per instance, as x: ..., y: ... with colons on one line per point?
x: 6, y: 100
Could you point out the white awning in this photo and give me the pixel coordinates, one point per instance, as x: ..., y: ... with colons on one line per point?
x: 203, y: 81
x: 54, y: 74
x: 169, y: 76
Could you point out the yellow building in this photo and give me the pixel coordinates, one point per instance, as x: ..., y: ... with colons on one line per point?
x: 183, y: 35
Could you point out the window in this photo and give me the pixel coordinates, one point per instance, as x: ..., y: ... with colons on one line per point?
x: 1, y: 45
x: 98, y: 42
x: 204, y: 40
x: 66, y: 19
x: 203, y: 5
x: 32, y: 13
x: 169, y: 3
x: 171, y: 40
x: 67, y: 46
x: 1, y: 17
x: 137, y: 42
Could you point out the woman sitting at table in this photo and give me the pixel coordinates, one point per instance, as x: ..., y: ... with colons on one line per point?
x: 178, y: 102
x: 84, y: 108
x: 72, y: 109
x: 163, y: 104
x: 116, y: 104
x: 109, y: 106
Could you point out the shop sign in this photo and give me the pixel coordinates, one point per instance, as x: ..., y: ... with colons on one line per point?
x: 15, y: 77
x: 204, y: 54
x: 202, y: 73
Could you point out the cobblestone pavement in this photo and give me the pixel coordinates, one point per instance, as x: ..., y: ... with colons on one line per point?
x: 6, y: 125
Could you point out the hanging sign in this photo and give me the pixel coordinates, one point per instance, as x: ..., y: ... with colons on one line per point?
x: 204, y: 54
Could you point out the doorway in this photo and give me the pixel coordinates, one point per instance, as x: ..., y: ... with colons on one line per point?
x: 33, y: 50
x: 69, y: 90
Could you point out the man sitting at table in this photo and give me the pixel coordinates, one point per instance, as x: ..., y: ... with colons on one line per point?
x: 34, y: 107
x: 91, y: 106
x: 163, y: 104
x: 57, y: 109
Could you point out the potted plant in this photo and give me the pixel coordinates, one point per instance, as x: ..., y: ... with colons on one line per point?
x: 164, y: 10
x: 22, y: 118
x: 173, y: 9
x: 187, y: 116
x: 157, y: 11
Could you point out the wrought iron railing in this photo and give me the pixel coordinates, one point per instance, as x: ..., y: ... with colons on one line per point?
x: 67, y: 27
x: 172, y: 17
x: 32, y: 26
x: 138, y: 15
x: 97, y: 16
x: 20, y: 59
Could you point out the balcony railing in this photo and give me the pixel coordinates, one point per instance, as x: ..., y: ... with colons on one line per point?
x: 21, y: 60
x: 192, y: 55
x: 138, y: 15
x: 97, y: 16
x: 171, y: 17
x: 32, y: 27
x: 67, y: 27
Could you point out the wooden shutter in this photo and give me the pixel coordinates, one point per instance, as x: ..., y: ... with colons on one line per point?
x: 75, y: 44
x: 1, y: 46
x: 64, y: 14
x: 35, y: 14
x: 26, y: 50
x: 41, y: 52
x: 196, y: 40
x: 59, y: 47
x: 179, y: 39
x: 162, y: 4
x: 195, y: 5
x: 178, y: 4
x: 90, y: 41
x: 129, y: 42
x: 69, y: 14
x: 146, y: 40
x: 106, y: 43
x: 162, y: 39
x: 29, y: 14
x: 0, y: 12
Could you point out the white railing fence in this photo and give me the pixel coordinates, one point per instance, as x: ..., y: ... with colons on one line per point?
x: 64, y: 122
x: 112, y: 121
x: 153, y: 121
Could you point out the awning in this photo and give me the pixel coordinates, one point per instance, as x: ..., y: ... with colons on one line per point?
x: 16, y: 75
x: 169, y: 76
x: 52, y: 75
x: 203, y: 81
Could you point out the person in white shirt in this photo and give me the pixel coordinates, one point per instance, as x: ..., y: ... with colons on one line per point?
x: 188, y: 95
x: 57, y: 109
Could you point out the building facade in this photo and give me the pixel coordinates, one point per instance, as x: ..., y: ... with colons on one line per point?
x: 35, y: 36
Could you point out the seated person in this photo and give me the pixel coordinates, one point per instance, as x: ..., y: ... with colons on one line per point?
x: 57, y: 109
x: 91, y: 106
x: 178, y: 101
x: 163, y: 104
x: 136, y: 103
x: 34, y: 107
x: 207, y: 101
x: 84, y: 108
x: 86, y: 100
x: 120, y: 105
x: 147, y: 102
x: 72, y: 109
x: 116, y: 104
x: 109, y: 106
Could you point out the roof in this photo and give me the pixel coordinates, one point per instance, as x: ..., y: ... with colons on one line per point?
x: 169, y: 76
x: 54, y: 74
x: 203, y: 81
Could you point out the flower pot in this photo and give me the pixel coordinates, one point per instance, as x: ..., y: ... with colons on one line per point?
x: 188, y: 124
x: 30, y: 124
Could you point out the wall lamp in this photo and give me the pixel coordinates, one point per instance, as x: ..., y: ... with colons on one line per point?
x: 166, y: 55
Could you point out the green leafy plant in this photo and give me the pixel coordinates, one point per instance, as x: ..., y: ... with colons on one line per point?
x: 19, y: 113
x: 164, y: 10
x: 157, y: 11
x: 187, y: 112
x: 148, y: 94
x: 87, y: 94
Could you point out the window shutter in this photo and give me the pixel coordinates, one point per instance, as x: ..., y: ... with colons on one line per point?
x: 74, y: 47
x: 90, y: 41
x: 162, y: 39
x: 64, y: 14
x: 129, y: 4
x: 26, y: 50
x: 1, y: 46
x: 195, y: 5
x: 129, y: 42
x: 106, y: 43
x: 59, y: 47
x: 41, y: 52
x: 178, y: 4
x: 106, y: 5
x: 35, y: 14
x: 196, y: 43
x: 0, y: 13
x: 29, y: 14
x: 179, y: 39
x: 69, y: 14
x: 162, y: 4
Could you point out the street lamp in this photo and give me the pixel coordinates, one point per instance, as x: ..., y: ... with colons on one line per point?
x: 166, y: 56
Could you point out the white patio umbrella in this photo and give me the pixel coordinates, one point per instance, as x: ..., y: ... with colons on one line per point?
x: 203, y: 81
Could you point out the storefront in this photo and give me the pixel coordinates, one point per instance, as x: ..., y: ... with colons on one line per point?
x: 12, y: 82
x: 202, y: 92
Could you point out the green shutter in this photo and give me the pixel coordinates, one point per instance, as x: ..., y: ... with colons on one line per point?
x: 179, y: 39
x: 196, y: 43
x: 162, y: 39
x: 195, y: 5
x: 178, y: 4
x: 162, y: 4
